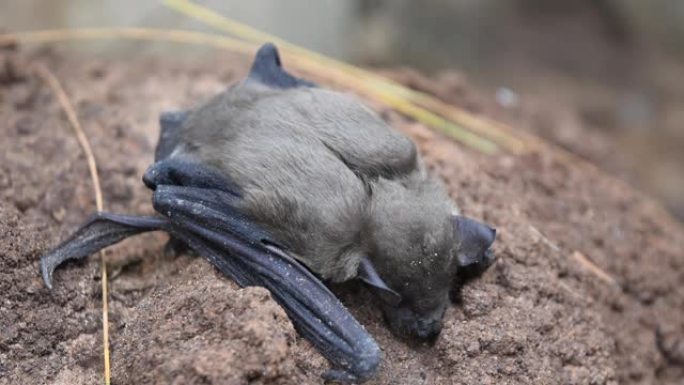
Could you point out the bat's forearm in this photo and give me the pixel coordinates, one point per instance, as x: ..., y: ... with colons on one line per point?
x: 100, y: 231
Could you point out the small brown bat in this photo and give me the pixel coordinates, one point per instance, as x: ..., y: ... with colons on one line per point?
x: 276, y: 173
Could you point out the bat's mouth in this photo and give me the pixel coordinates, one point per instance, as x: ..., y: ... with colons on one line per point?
x: 412, y: 327
x: 428, y: 330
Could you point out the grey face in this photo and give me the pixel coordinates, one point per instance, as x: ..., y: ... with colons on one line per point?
x: 421, y: 320
x: 417, y: 265
x: 423, y: 287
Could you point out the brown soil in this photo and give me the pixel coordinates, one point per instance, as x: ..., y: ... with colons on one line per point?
x: 537, y: 316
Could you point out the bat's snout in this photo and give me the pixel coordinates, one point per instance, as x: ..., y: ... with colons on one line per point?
x: 412, y: 326
x: 428, y: 330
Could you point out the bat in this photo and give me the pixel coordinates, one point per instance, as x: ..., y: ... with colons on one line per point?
x: 282, y: 184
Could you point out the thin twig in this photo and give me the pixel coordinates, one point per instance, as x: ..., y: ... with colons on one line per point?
x: 404, y: 100
x: 363, y: 82
x: 66, y: 105
x: 592, y: 268
x: 68, y: 109
x: 130, y: 33
x: 544, y: 238
x: 578, y: 257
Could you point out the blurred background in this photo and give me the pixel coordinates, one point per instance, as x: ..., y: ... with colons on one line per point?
x: 603, y: 78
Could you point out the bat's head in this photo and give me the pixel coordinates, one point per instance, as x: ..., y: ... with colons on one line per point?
x: 416, y: 250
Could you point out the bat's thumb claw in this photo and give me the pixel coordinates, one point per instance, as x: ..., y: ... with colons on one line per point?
x: 46, y: 270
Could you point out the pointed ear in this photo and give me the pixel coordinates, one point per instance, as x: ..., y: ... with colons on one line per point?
x: 268, y: 70
x: 475, y: 240
x: 369, y: 276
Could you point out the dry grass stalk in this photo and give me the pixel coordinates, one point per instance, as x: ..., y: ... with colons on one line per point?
x: 64, y: 101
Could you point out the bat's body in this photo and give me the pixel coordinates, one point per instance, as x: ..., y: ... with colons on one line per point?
x: 275, y: 168
x: 309, y: 179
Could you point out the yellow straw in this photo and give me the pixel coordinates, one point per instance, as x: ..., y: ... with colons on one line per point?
x: 391, y: 93
x: 68, y: 109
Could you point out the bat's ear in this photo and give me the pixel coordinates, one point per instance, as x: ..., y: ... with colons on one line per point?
x: 267, y: 69
x: 475, y: 241
x: 369, y: 276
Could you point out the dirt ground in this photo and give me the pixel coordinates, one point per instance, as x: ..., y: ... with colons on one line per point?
x: 538, y: 316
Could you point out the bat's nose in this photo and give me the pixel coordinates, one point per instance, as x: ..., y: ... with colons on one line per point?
x: 428, y: 330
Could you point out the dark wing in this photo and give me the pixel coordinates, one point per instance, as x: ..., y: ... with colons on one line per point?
x: 100, y: 231
x: 202, y: 211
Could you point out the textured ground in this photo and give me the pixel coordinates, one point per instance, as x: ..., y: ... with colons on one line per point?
x: 537, y: 316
